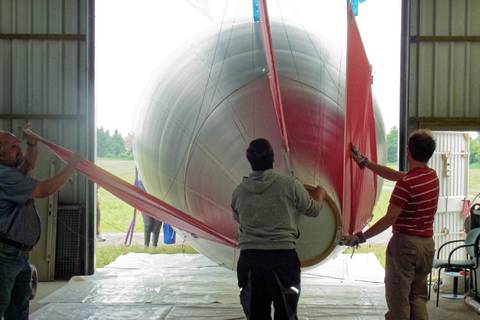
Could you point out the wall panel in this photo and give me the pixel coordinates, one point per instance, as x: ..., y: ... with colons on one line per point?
x: 444, y: 64
x: 46, y: 76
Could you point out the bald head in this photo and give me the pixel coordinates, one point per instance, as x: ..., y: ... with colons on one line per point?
x: 6, y: 138
x: 5, y: 134
x: 10, y: 150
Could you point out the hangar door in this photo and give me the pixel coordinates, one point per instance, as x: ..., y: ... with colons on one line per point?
x: 440, y: 90
x: 46, y: 76
x: 444, y: 64
x: 440, y: 66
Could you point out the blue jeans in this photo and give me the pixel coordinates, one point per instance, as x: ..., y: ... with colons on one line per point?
x: 15, y: 278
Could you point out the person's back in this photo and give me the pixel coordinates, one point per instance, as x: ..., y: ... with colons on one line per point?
x: 417, y: 193
x: 411, y: 213
x: 267, y: 206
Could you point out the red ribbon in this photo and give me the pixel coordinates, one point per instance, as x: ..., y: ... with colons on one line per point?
x: 140, y: 199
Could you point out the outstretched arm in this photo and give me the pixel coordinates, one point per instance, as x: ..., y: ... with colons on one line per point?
x: 47, y: 187
x: 381, y: 170
x: 30, y: 158
x: 384, y: 171
x: 385, y: 222
x: 381, y: 225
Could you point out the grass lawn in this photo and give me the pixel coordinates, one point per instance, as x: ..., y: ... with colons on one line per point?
x: 377, y: 249
x: 381, y: 205
x: 474, y: 180
x: 116, y: 215
x: 108, y: 253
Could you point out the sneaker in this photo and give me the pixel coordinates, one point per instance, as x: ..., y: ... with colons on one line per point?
x: 33, y: 282
x: 101, y: 238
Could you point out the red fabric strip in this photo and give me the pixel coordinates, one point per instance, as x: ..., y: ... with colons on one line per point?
x: 272, y: 75
x: 359, y: 190
x: 139, y: 199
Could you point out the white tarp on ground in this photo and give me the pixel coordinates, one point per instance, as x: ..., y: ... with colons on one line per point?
x: 190, y: 286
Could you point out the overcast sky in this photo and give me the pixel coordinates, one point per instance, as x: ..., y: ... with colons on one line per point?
x: 134, y: 37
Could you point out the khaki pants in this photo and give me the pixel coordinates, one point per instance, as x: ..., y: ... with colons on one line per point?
x: 408, y: 263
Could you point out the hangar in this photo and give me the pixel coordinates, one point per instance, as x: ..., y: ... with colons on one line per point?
x: 48, y: 67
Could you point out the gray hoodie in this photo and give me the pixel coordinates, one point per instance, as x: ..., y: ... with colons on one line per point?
x: 267, y: 206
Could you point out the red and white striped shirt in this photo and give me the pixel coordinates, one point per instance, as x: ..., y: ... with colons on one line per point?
x: 417, y: 194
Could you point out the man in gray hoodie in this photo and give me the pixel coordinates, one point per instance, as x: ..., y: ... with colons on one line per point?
x: 267, y: 205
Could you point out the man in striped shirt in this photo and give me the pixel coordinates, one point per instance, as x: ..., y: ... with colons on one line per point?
x: 411, y: 212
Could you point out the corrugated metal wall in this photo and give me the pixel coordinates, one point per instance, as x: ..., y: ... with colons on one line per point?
x: 444, y: 64
x: 450, y: 161
x: 46, y: 76
x: 440, y: 90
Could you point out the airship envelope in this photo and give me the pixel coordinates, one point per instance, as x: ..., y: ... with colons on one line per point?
x: 217, y: 94
x: 250, y: 78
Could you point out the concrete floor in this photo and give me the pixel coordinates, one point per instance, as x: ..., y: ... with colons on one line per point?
x: 43, y: 290
x: 321, y: 297
x: 451, y: 310
x: 447, y: 309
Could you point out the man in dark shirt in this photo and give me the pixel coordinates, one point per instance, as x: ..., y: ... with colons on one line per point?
x: 19, y: 222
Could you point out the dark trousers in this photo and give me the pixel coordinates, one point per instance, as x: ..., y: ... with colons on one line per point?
x: 151, y: 226
x: 15, y: 278
x: 266, y: 277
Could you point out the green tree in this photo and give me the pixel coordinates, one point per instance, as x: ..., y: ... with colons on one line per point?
x: 103, y: 137
x: 392, y: 145
x: 112, y: 146
x: 475, y: 150
x: 117, y: 145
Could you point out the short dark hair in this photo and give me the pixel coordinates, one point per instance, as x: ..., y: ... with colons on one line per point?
x: 421, y: 145
x: 260, y: 155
